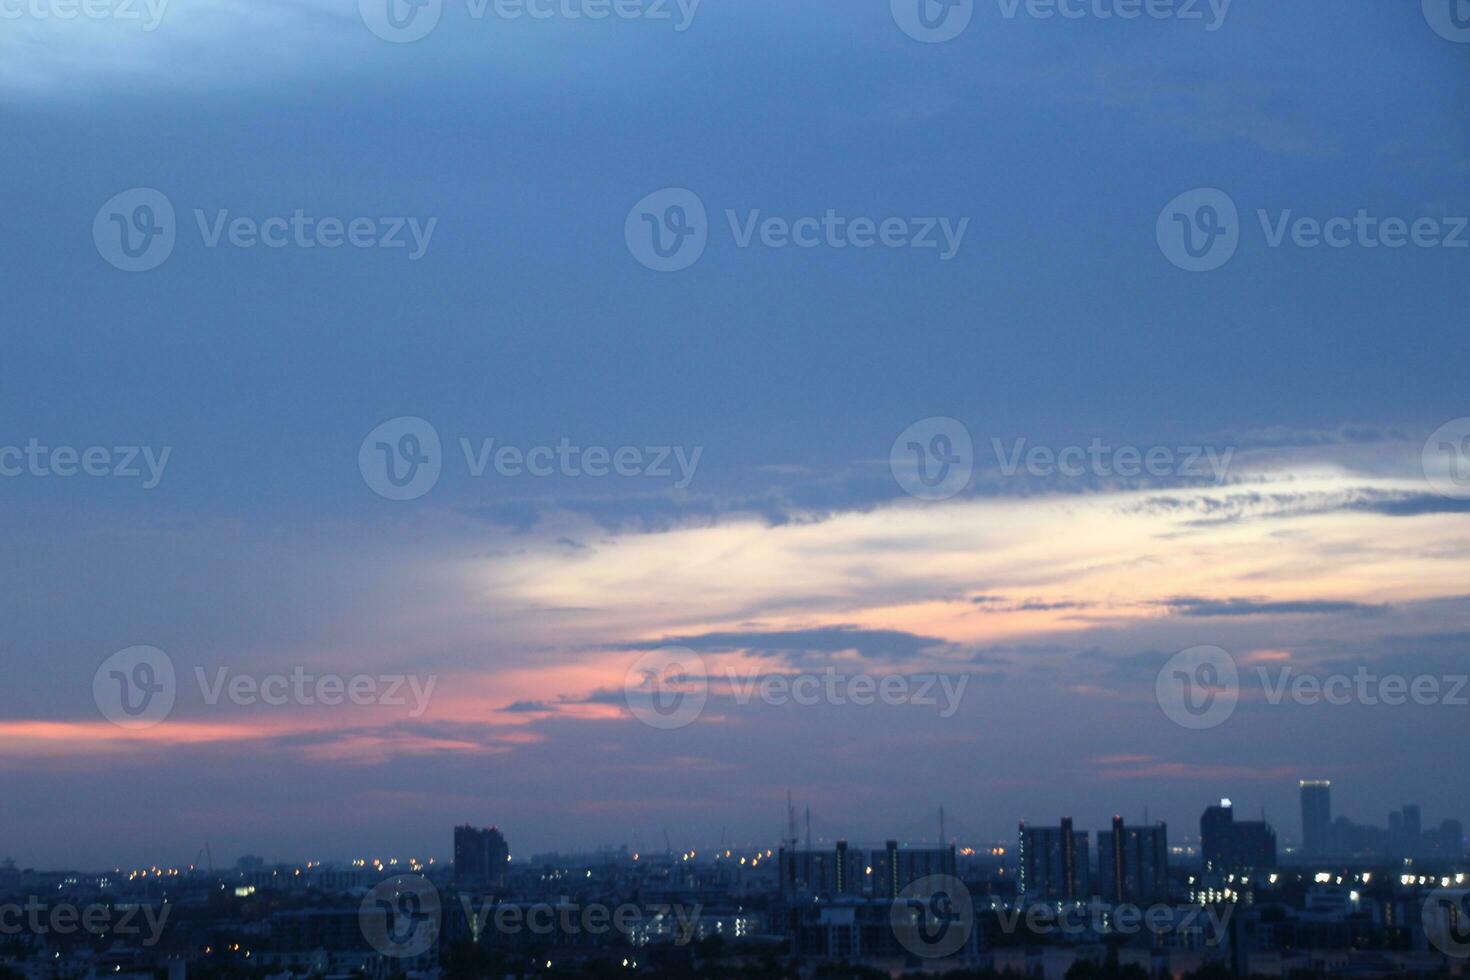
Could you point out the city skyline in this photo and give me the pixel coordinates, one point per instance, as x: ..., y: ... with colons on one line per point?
x: 816, y: 831
x: 601, y: 427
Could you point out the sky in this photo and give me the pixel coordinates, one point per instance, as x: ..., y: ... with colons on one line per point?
x: 771, y: 519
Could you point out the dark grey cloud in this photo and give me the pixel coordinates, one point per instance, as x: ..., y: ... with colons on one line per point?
x: 1413, y: 505
x: 1199, y: 607
x: 528, y: 707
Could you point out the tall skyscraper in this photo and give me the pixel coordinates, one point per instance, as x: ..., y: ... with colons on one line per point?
x: 1316, y: 817
x: 1133, y: 864
x: 1231, y: 846
x: 1056, y: 865
x: 480, y: 856
x: 1413, y: 830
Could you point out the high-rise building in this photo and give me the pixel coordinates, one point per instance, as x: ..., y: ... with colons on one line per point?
x: 1056, y: 865
x: 1133, y: 864
x: 895, y: 868
x: 1231, y: 846
x: 845, y: 870
x: 1413, y: 830
x: 480, y: 856
x: 1316, y: 817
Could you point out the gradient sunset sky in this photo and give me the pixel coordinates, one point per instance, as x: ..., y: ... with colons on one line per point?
x: 1323, y: 371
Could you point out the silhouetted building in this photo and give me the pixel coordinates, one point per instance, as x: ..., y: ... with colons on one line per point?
x: 1234, y: 846
x: 1133, y: 864
x: 1316, y: 817
x: 1055, y: 864
x: 1413, y: 831
x: 480, y: 856
x: 895, y: 868
x: 844, y: 870
x: 840, y: 871
x: 1446, y: 842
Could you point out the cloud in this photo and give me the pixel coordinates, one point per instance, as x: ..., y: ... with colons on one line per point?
x: 869, y: 643
x: 1412, y: 505
x: 1198, y: 607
